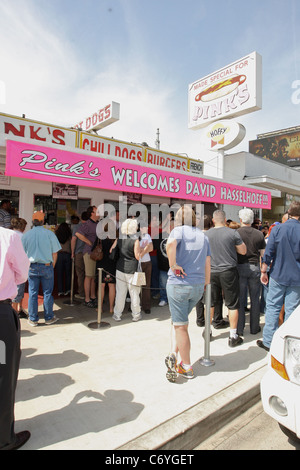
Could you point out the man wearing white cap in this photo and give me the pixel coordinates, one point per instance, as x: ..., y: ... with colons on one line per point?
x: 41, y: 246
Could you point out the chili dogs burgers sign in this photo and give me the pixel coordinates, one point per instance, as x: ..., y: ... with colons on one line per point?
x: 229, y: 92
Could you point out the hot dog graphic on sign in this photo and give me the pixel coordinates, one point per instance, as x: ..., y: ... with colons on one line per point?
x: 220, y: 89
x: 229, y: 92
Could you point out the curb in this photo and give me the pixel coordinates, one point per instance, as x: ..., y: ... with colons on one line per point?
x: 190, y: 428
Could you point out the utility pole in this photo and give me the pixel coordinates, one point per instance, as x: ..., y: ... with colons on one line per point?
x: 157, y: 142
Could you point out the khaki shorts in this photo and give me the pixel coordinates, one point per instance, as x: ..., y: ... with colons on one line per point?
x: 89, y: 265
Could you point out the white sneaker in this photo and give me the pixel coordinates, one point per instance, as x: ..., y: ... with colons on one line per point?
x: 33, y: 323
x: 162, y: 303
x: 116, y: 318
x: 137, y: 317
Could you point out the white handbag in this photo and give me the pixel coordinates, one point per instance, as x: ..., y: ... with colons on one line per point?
x: 139, y: 278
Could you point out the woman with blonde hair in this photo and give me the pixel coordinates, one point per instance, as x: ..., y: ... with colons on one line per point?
x: 128, y: 248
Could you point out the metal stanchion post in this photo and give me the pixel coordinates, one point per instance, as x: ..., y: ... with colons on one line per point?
x: 206, y: 360
x: 72, y: 302
x: 99, y: 324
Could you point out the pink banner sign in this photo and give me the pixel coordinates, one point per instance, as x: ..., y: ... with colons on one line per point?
x: 25, y: 160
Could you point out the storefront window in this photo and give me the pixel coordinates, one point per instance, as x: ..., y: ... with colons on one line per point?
x: 276, y: 212
x: 289, y: 198
x: 59, y: 210
x: 14, y: 197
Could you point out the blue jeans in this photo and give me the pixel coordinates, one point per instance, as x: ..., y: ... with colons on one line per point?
x: 182, y: 299
x: 39, y: 273
x: 249, y: 275
x: 163, y: 277
x: 277, y: 296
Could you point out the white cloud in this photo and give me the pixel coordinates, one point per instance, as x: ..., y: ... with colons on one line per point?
x: 46, y: 80
x: 37, y: 64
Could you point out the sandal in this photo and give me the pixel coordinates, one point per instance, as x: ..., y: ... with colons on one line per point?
x: 89, y: 304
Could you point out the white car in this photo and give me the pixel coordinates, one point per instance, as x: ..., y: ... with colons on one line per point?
x: 280, y: 386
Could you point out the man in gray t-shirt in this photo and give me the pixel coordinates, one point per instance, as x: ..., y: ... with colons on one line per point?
x: 225, y: 243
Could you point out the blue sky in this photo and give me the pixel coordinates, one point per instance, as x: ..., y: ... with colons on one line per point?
x: 62, y: 60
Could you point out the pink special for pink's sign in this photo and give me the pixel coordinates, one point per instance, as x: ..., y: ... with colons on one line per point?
x: 25, y: 160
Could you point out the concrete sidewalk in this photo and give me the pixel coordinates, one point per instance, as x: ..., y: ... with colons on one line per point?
x: 81, y: 388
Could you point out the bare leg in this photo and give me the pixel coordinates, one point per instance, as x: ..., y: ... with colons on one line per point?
x: 183, y: 343
x: 111, y: 296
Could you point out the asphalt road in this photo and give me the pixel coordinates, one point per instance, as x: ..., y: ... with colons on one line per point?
x: 254, y: 430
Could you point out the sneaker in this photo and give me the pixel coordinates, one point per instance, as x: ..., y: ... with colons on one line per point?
x: 233, y: 342
x: 78, y: 296
x: 162, y: 303
x: 116, y: 318
x: 187, y: 374
x: 221, y: 324
x: 137, y: 317
x: 54, y: 319
x: 60, y: 294
x: 68, y: 292
x: 171, y: 363
x: 33, y: 323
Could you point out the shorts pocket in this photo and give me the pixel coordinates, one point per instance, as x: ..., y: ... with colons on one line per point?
x: 182, y: 293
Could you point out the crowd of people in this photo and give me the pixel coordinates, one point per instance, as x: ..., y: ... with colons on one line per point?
x: 179, y: 258
x: 243, y: 261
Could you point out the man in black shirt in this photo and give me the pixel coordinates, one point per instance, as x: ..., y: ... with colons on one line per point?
x: 249, y: 271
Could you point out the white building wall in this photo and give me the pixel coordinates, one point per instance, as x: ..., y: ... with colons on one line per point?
x: 244, y: 164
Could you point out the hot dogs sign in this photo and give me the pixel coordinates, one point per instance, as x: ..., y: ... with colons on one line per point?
x: 229, y: 92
